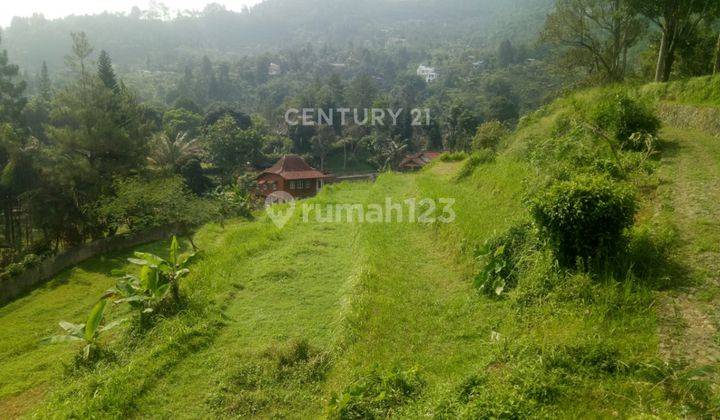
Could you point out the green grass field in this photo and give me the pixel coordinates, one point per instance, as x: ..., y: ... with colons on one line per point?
x: 317, y: 318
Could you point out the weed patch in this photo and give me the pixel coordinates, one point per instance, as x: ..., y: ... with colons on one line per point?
x: 377, y: 394
x: 453, y: 156
x: 501, y: 258
x: 251, y: 386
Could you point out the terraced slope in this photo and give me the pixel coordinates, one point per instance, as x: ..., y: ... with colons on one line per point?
x: 383, y: 319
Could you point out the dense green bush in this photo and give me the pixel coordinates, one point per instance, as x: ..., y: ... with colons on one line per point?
x: 141, y: 204
x: 376, y: 395
x: 584, y: 217
x: 14, y: 269
x: 489, y: 135
x: 622, y: 116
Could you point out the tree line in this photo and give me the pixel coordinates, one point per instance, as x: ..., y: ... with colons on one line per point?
x: 88, y: 160
x: 601, y: 36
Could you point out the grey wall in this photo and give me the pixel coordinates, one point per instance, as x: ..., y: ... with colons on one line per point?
x: 15, y: 286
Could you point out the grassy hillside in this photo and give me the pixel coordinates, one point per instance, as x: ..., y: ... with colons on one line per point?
x: 350, y: 319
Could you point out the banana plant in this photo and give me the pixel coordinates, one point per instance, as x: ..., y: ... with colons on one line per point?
x: 89, y: 332
x: 160, y: 277
x: 143, y: 292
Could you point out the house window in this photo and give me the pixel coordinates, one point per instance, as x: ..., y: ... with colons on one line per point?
x: 292, y: 185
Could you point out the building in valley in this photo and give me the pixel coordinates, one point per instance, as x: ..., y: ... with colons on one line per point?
x: 292, y: 175
x: 416, y: 161
x: 427, y: 73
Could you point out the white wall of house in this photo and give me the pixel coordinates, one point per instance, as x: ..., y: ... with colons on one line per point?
x: 428, y: 73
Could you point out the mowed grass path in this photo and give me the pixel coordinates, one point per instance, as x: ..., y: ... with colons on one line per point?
x: 290, y: 291
x: 414, y: 304
x: 691, y: 197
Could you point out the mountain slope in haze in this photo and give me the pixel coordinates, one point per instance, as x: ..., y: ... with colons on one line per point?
x: 136, y: 38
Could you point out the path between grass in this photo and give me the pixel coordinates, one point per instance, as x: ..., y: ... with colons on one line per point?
x: 414, y: 305
x: 366, y: 295
x: 289, y: 293
x: 690, y: 317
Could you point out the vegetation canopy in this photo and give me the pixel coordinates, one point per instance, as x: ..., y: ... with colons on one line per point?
x: 570, y: 145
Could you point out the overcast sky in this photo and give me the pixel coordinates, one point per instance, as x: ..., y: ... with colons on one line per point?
x: 61, y: 8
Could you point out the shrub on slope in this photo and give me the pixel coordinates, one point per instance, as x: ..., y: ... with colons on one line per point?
x: 585, y: 217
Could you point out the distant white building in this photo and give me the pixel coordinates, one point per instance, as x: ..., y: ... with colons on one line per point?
x: 274, y: 69
x: 428, y: 73
x: 396, y: 42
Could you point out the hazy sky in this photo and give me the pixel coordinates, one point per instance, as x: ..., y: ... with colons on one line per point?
x: 61, y: 8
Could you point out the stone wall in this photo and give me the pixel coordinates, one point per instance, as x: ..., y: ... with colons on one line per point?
x: 690, y: 117
x: 15, y: 286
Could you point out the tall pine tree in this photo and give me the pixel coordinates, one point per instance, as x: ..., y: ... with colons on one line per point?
x: 97, y: 134
x: 44, y: 84
x: 12, y: 100
x: 106, y: 72
x: 81, y: 49
x: 16, y: 166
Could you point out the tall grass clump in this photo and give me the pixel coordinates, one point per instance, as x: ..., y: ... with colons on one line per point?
x: 476, y: 159
x: 453, y: 156
x: 376, y: 395
x: 250, y: 382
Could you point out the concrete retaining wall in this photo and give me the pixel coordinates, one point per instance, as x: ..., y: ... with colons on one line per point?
x: 15, y: 286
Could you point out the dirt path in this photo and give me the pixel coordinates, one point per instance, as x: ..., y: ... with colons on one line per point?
x: 690, y: 317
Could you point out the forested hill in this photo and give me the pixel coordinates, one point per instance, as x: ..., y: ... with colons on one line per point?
x: 141, y: 38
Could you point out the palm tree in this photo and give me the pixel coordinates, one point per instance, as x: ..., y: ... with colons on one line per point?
x: 171, y: 154
x: 388, y: 153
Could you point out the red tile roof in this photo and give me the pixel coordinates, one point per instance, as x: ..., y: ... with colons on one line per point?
x: 419, y: 159
x: 294, y: 167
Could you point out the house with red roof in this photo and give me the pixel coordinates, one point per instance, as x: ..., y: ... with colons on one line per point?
x: 416, y: 161
x: 293, y: 175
